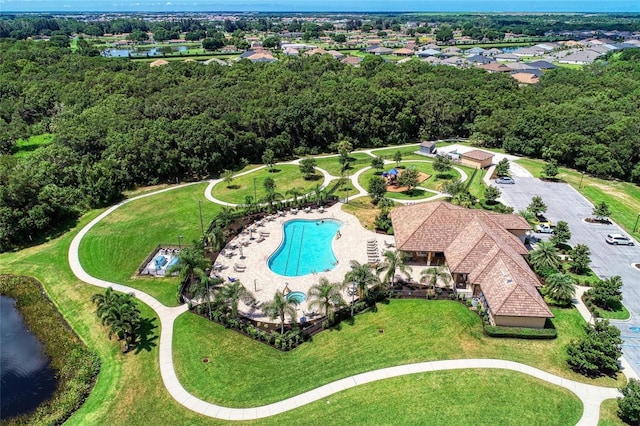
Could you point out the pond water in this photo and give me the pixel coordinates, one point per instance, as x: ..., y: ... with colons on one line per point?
x: 25, y: 375
x: 154, y: 51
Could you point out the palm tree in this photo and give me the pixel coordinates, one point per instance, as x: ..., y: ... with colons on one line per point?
x: 202, y: 289
x: 272, y: 196
x: 104, y: 301
x: 225, y: 217
x: 434, y: 274
x: 560, y: 287
x: 280, y: 307
x: 215, y: 239
x: 362, y: 274
x: 325, y: 296
x: 394, y: 260
x: 192, y: 262
x: 319, y: 193
x: 123, y: 319
x: 232, y: 293
x: 544, y: 256
x: 295, y: 193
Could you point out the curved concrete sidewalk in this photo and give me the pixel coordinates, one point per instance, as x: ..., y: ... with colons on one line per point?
x: 591, y: 396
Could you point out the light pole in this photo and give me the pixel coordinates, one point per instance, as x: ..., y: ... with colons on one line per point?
x: 636, y: 224
x: 352, y: 292
x: 201, y: 222
x: 180, y: 242
x: 581, y: 178
x: 255, y: 193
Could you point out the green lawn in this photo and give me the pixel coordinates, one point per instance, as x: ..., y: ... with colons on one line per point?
x: 609, y: 414
x: 24, y: 147
x: 460, y: 397
x: 129, y: 388
x: 286, y: 177
x: 623, y: 198
x: 115, y: 248
x: 333, y: 166
x: 414, y: 331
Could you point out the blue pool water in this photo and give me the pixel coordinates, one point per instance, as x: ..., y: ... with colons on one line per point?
x: 296, y: 296
x: 305, y: 248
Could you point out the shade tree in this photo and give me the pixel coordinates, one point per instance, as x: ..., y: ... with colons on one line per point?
x: 597, y: 352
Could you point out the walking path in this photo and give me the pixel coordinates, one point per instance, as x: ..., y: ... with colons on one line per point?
x: 591, y: 396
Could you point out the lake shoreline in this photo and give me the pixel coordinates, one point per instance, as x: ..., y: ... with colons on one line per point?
x: 75, y: 366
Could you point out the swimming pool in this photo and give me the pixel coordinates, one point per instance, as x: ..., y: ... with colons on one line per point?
x: 296, y: 296
x: 305, y: 248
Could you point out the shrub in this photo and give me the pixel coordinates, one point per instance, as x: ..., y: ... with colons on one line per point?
x: 520, y: 332
x: 597, y: 352
x: 629, y: 404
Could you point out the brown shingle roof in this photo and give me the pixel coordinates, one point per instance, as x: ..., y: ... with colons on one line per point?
x: 477, y: 243
x: 508, y: 291
x: 477, y: 154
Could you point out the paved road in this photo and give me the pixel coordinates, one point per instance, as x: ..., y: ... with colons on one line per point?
x: 565, y: 203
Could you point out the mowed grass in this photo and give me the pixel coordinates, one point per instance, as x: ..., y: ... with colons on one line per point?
x: 623, y: 198
x: 364, y: 210
x: 460, y: 397
x: 115, y: 248
x: 285, y: 176
x: 609, y: 414
x: 24, y: 147
x: 246, y: 373
x: 333, y: 167
x: 129, y: 389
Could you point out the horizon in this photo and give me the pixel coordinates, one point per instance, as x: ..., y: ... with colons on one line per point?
x: 327, y: 6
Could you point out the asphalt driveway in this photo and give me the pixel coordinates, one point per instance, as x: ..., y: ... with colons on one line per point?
x: 565, y: 203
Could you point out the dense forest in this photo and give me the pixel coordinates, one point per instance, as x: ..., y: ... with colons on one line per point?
x: 118, y: 124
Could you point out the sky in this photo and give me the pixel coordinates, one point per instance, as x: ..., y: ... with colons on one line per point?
x: 319, y: 6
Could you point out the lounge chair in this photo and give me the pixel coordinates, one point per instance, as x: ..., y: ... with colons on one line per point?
x: 264, y: 234
x: 307, y: 209
x: 320, y: 209
x: 239, y: 268
x: 259, y: 240
x: 389, y: 244
x: 294, y: 211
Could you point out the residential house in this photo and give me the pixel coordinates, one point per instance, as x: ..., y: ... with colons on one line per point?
x: 526, y: 77
x: 352, y: 60
x: 158, y: 63
x: 484, y: 252
x: 494, y: 67
x: 507, y: 57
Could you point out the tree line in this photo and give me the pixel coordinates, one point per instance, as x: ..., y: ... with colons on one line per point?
x: 118, y: 124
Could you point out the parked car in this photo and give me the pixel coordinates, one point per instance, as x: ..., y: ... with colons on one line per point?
x: 619, y: 239
x: 543, y: 228
x: 542, y: 220
x: 505, y: 180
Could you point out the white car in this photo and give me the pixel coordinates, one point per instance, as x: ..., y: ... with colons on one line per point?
x: 619, y: 239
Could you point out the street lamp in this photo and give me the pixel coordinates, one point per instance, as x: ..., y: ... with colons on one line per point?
x: 581, y: 178
x: 255, y: 193
x: 636, y: 224
x: 180, y: 242
x: 201, y: 222
x: 352, y: 292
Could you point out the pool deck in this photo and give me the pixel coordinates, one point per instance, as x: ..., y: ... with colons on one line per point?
x: 263, y: 283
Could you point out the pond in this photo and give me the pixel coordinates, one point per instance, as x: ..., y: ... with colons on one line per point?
x: 154, y: 51
x: 27, y: 379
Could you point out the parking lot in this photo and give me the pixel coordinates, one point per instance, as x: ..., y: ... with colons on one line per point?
x: 565, y: 203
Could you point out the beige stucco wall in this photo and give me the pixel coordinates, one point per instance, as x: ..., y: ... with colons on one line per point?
x: 475, y: 163
x: 531, y: 322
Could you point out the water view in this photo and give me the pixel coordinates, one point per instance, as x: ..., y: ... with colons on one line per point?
x: 154, y: 51
x: 26, y: 377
